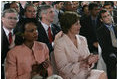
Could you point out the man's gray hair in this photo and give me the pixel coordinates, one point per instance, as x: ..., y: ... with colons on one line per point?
x: 43, y: 9
x: 10, y: 10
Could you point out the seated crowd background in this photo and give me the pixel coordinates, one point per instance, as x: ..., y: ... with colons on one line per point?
x: 51, y: 39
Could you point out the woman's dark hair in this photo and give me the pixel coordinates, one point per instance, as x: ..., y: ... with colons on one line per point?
x: 19, y: 35
x: 67, y: 20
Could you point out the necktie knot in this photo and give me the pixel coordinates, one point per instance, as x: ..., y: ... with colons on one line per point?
x: 10, y: 37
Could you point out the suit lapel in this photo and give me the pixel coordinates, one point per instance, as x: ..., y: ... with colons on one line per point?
x: 42, y: 31
x: 4, y: 37
x: 70, y: 43
x: 115, y: 30
x: 106, y: 30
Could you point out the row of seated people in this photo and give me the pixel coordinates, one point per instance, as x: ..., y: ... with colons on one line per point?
x: 41, y: 33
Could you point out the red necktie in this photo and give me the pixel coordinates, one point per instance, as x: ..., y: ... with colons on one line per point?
x: 10, y: 38
x: 50, y: 35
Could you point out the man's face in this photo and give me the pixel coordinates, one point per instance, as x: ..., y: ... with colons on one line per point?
x: 75, y: 5
x: 86, y: 10
x: 106, y: 18
x: 95, y: 11
x: 50, y: 15
x: 69, y: 6
x: 9, y: 20
x: 108, y: 8
x: 60, y: 5
x: 30, y: 12
x: 15, y: 6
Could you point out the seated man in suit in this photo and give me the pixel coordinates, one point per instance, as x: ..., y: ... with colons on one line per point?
x: 89, y: 27
x: 9, y: 20
x: 46, y: 29
x: 107, y: 38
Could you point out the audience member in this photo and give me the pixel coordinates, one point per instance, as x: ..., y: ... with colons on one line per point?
x: 75, y: 5
x: 73, y: 59
x: 94, y: 27
x: 9, y: 20
x: 81, y: 5
x: 108, y: 42
x: 58, y: 5
x: 108, y: 6
x: 89, y: 26
x: 46, y: 29
x: 15, y: 6
x: 85, y: 12
x: 68, y: 6
x: 27, y: 53
x: 29, y: 12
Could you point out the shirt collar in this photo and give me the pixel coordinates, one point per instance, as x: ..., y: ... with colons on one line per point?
x: 45, y: 26
x: 57, y: 10
x: 108, y: 26
x: 7, y: 31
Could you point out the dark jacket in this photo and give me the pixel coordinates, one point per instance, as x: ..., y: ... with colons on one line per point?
x: 89, y: 31
x: 42, y: 36
x: 104, y: 39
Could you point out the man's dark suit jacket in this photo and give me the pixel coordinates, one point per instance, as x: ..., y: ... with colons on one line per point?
x: 105, y: 42
x: 104, y: 39
x: 4, y: 45
x: 4, y: 50
x: 42, y: 36
x: 89, y: 31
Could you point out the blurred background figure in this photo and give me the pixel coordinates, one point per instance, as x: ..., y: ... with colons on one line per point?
x: 107, y: 38
x: 68, y: 6
x: 89, y: 25
x: 58, y: 5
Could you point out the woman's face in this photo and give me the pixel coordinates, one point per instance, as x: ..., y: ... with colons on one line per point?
x: 31, y: 33
x: 75, y: 29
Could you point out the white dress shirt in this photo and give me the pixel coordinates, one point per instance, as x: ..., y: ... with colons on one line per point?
x: 46, y: 29
x: 7, y: 34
